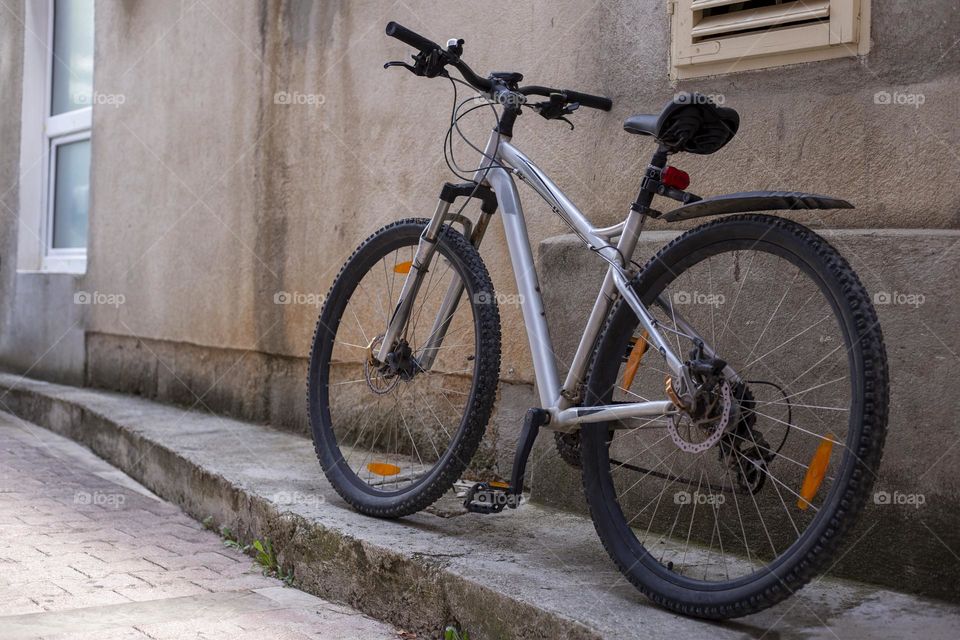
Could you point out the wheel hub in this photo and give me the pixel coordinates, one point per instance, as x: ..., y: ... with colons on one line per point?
x: 400, y: 364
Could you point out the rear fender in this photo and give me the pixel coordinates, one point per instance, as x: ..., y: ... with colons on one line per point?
x: 753, y: 201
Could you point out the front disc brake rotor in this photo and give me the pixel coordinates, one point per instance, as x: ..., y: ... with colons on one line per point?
x: 378, y: 381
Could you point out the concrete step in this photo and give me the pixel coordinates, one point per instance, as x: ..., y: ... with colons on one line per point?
x: 531, y: 573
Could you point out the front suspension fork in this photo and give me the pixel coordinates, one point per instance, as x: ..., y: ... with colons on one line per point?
x: 421, y: 264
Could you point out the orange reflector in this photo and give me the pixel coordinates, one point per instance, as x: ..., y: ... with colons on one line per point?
x: 403, y: 267
x: 816, y: 471
x: 383, y: 468
x: 499, y: 485
x: 633, y: 361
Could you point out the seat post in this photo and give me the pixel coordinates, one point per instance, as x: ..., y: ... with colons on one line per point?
x: 645, y: 197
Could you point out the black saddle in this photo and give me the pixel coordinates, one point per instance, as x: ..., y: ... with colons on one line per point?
x: 690, y: 122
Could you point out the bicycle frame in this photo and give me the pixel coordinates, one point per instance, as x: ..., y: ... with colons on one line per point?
x: 502, y: 160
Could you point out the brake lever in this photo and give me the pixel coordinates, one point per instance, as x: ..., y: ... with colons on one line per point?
x: 428, y: 64
x: 398, y: 63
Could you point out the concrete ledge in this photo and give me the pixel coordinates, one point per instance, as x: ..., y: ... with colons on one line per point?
x: 535, y: 573
x: 251, y: 385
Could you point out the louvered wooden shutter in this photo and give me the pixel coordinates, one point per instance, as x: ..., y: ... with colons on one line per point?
x: 747, y: 30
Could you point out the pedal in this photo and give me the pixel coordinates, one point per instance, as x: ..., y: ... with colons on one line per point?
x: 486, y: 498
x: 492, y: 497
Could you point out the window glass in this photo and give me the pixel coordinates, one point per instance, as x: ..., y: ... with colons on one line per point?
x: 71, y: 193
x: 72, y: 55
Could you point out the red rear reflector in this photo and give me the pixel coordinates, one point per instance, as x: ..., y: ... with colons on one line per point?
x: 673, y: 177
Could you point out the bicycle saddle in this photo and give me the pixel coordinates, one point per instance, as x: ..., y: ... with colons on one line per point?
x: 690, y: 122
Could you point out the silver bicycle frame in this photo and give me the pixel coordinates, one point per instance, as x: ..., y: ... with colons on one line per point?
x: 502, y: 161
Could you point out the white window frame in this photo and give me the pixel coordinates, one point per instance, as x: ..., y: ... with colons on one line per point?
x: 40, y: 135
x: 845, y: 33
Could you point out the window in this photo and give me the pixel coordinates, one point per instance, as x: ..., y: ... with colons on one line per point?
x: 55, y: 135
x: 719, y: 36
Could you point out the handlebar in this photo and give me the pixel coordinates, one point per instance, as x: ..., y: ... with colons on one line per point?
x: 430, y: 49
x: 411, y: 38
x: 585, y: 99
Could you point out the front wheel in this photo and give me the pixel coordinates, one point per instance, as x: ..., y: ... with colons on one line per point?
x: 731, y: 506
x: 393, y: 439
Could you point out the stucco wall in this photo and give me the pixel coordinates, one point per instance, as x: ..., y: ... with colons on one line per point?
x: 211, y: 198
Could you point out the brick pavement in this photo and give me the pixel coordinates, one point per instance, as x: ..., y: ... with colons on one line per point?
x: 86, y: 552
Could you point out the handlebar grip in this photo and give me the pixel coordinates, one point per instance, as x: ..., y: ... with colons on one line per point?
x: 411, y: 38
x: 587, y: 100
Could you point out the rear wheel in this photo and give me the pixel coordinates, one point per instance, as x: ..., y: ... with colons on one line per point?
x: 727, y: 511
x: 392, y: 440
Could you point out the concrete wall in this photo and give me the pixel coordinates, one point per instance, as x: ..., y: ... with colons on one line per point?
x: 210, y: 196
x: 41, y: 329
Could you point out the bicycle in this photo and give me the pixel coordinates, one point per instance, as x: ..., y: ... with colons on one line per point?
x: 728, y: 435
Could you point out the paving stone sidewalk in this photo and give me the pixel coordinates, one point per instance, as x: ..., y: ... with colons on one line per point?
x: 86, y: 552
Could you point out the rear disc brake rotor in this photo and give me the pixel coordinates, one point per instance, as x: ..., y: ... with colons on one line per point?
x: 703, y: 433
